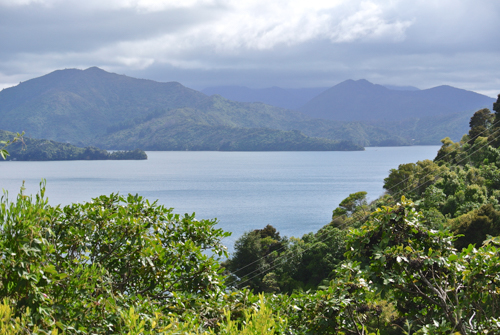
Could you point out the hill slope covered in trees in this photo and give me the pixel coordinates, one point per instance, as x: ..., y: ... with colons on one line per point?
x: 77, y: 106
x: 94, y: 107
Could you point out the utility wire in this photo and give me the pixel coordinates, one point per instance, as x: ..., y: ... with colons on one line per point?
x: 284, y: 256
x: 389, y: 190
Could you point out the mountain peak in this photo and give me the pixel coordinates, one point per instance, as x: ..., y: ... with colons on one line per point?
x: 363, y: 82
x: 359, y: 84
x: 94, y: 69
x: 361, y: 100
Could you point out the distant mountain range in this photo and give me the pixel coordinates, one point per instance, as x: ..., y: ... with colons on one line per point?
x: 408, y: 114
x: 363, y: 101
x: 289, y: 98
x: 94, y: 107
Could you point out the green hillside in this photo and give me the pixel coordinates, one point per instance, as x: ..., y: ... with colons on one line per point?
x: 160, y: 135
x: 363, y: 134
x: 94, y: 107
x: 430, y: 129
x: 363, y: 101
x: 74, y: 105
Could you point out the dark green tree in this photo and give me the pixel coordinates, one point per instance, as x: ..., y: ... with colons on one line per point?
x: 496, y: 107
x: 495, y: 136
x: 475, y: 226
x: 350, y: 204
x: 480, y: 124
x: 412, y: 179
x: 254, y: 255
x: 311, y: 260
x: 350, y: 211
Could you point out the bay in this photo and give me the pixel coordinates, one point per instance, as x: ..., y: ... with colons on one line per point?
x: 293, y: 191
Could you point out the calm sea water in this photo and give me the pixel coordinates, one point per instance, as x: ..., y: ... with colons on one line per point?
x: 293, y: 191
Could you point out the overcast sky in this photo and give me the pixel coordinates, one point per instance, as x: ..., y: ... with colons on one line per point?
x: 258, y: 43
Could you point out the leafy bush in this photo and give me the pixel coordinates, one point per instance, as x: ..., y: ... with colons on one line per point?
x: 84, y: 264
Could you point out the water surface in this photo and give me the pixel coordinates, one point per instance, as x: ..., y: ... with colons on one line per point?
x: 293, y: 191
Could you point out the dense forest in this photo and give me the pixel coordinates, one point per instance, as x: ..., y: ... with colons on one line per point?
x: 424, y: 258
x: 30, y: 149
x: 156, y: 135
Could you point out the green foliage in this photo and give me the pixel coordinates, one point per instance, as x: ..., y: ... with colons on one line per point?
x: 494, y: 138
x: 496, y: 106
x: 412, y: 179
x: 262, y: 320
x: 350, y: 204
x: 12, y: 325
x: 3, y: 151
x: 448, y: 150
x: 344, y: 306
x: 480, y: 123
x: 255, y: 252
x: 265, y: 262
x: 121, y: 265
x: 84, y: 264
x: 475, y: 226
x: 309, y: 262
x: 461, y: 188
x: 432, y: 285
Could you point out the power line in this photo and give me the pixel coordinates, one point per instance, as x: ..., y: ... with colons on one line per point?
x: 273, y: 265
x: 345, y: 215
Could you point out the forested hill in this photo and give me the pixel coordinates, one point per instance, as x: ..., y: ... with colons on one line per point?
x: 94, y: 107
x: 29, y: 149
x: 73, y: 105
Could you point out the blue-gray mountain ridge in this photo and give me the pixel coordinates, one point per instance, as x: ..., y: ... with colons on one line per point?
x: 94, y: 107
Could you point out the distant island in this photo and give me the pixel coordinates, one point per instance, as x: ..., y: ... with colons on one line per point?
x: 29, y: 149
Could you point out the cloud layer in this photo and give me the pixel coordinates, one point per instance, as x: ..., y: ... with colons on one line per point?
x: 257, y: 43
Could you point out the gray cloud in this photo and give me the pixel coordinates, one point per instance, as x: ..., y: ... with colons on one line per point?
x: 258, y: 43
x: 40, y: 29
